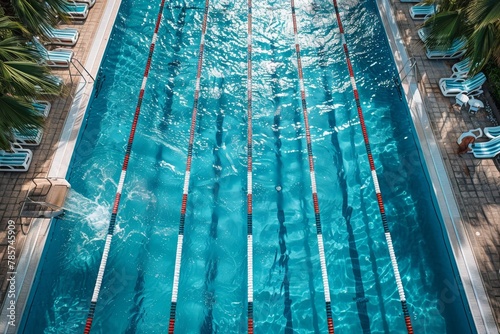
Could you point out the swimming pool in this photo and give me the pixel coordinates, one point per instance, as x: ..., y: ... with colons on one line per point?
x: 288, y: 289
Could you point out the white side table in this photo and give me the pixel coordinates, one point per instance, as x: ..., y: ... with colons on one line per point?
x: 475, y: 105
x: 461, y: 99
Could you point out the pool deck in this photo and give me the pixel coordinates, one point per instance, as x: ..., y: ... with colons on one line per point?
x: 475, y: 182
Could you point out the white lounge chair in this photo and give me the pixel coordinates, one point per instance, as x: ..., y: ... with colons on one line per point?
x: 423, y: 33
x: 57, y: 80
x: 42, y: 107
x: 488, y: 149
x: 76, y: 11
x: 470, y: 87
x: 66, y: 36
x: 461, y: 69
x: 456, y: 50
x: 18, y: 159
x: 476, y: 133
x: 89, y: 3
x: 58, y: 58
x: 28, y: 137
x: 492, y: 131
x: 422, y: 11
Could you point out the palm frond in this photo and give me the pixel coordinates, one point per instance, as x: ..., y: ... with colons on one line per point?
x: 480, y: 47
x: 444, y: 27
x: 483, y: 12
x: 25, y: 79
x: 18, y: 114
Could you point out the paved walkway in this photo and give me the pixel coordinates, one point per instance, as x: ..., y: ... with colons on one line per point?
x: 476, y: 183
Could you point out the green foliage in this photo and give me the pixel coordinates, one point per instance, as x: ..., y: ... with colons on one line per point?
x: 492, y: 71
x: 478, y: 21
x: 22, y: 78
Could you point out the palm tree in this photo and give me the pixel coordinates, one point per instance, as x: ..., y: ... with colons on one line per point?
x: 36, y: 16
x: 22, y: 79
x: 478, y: 21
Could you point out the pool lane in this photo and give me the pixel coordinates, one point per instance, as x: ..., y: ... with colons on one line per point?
x: 321, y: 247
x: 380, y: 201
x: 116, y: 203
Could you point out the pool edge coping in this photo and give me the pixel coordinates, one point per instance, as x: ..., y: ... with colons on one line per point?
x: 457, y: 235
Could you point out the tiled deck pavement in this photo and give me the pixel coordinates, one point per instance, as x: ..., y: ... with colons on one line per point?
x: 475, y: 182
x: 14, y: 186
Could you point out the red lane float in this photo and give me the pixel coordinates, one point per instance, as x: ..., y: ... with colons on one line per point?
x: 187, y: 175
x: 249, y: 173
x: 380, y: 202
x: 321, y: 248
x: 112, y: 222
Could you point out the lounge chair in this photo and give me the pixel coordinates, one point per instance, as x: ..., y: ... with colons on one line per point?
x: 461, y: 69
x: 470, y: 87
x: 89, y: 3
x: 488, y: 149
x: 18, y: 159
x: 456, y: 50
x: 423, y: 33
x: 42, y: 107
x: 57, y: 58
x: 76, y: 11
x: 58, y: 81
x: 476, y: 133
x: 28, y: 137
x: 422, y: 11
x: 492, y: 131
x: 66, y: 36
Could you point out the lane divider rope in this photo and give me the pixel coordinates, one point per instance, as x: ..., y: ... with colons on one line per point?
x: 319, y: 233
x: 249, y: 173
x: 112, y: 222
x: 387, y: 232
x: 187, y: 175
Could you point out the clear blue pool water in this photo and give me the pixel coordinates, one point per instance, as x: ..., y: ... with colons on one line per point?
x: 288, y: 297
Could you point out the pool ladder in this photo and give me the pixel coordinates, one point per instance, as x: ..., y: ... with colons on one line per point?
x: 44, y: 200
x: 412, y: 69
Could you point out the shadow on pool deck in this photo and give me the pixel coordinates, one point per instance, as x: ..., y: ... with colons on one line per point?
x: 476, y: 183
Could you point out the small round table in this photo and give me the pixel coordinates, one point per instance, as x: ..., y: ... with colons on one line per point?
x: 461, y: 99
x: 475, y: 105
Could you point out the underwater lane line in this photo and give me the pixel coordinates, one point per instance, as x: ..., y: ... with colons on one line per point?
x: 187, y: 175
x: 112, y: 222
x: 319, y: 234
x: 387, y: 232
